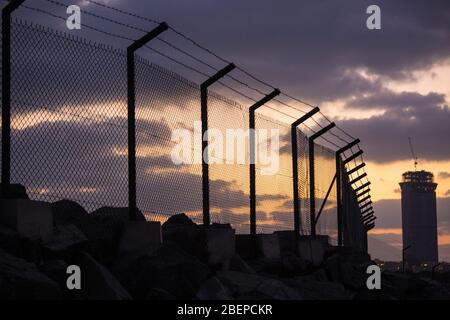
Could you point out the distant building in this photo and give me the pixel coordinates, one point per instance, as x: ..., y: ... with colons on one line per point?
x: 419, y: 220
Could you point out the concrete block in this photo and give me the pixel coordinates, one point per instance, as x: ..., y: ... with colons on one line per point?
x: 287, y: 240
x: 65, y: 238
x: 312, y: 249
x: 268, y: 245
x: 97, y: 282
x: 15, y: 191
x: 220, y: 246
x: 31, y: 219
x: 140, y: 236
x: 246, y: 246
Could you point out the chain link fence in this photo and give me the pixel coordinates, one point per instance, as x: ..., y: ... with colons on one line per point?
x: 69, y: 139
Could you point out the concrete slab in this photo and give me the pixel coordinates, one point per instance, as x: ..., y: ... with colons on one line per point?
x: 287, y: 240
x: 140, y: 236
x: 312, y: 249
x: 220, y: 245
x: 246, y: 246
x: 65, y: 237
x: 269, y: 245
x: 15, y: 191
x: 31, y: 219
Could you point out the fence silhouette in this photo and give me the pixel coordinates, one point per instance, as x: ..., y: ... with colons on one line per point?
x: 69, y: 130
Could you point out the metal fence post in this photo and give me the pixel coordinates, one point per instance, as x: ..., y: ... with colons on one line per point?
x: 312, y: 191
x: 6, y: 94
x: 204, y: 110
x: 252, y: 111
x: 294, y: 155
x: 131, y: 87
x: 339, y: 195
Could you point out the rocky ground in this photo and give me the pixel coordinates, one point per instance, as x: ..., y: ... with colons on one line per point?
x: 180, y: 268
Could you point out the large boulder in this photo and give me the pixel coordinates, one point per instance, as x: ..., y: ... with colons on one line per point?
x: 339, y: 269
x: 31, y: 219
x: 257, y: 287
x: 293, y: 266
x: 70, y: 212
x: 403, y: 286
x: 435, y: 290
x: 166, y: 272
x: 15, y: 191
x: 311, y: 289
x: 238, y: 264
x: 140, y: 236
x: 97, y: 283
x: 110, y: 224
x: 13, y: 243
x: 178, y: 220
x: 213, y: 289
x: 214, y: 244
x: 286, y: 266
x: 115, y: 215
x: 67, y: 240
x: 20, y: 279
x: 55, y: 270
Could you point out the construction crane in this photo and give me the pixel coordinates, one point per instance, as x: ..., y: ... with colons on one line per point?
x: 416, y: 160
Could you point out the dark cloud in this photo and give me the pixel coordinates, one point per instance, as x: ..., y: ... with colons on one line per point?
x: 312, y: 48
x: 425, y: 118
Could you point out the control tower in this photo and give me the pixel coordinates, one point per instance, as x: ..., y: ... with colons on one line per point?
x: 419, y: 219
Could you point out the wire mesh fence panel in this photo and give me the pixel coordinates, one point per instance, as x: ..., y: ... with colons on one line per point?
x: 325, y: 170
x: 168, y: 168
x: 303, y: 184
x: 68, y: 118
x: 228, y: 158
x: 273, y: 175
x: 69, y: 134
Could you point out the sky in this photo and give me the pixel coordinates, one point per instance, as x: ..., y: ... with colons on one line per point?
x: 381, y: 86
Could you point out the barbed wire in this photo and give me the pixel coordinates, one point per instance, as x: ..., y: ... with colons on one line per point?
x: 224, y: 61
x: 175, y: 61
x: 179, y: 63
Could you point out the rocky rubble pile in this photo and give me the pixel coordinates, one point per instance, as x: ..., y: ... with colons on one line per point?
x: 183, y: 267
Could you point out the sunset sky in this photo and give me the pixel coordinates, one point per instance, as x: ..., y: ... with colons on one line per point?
x: 382, y: 86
